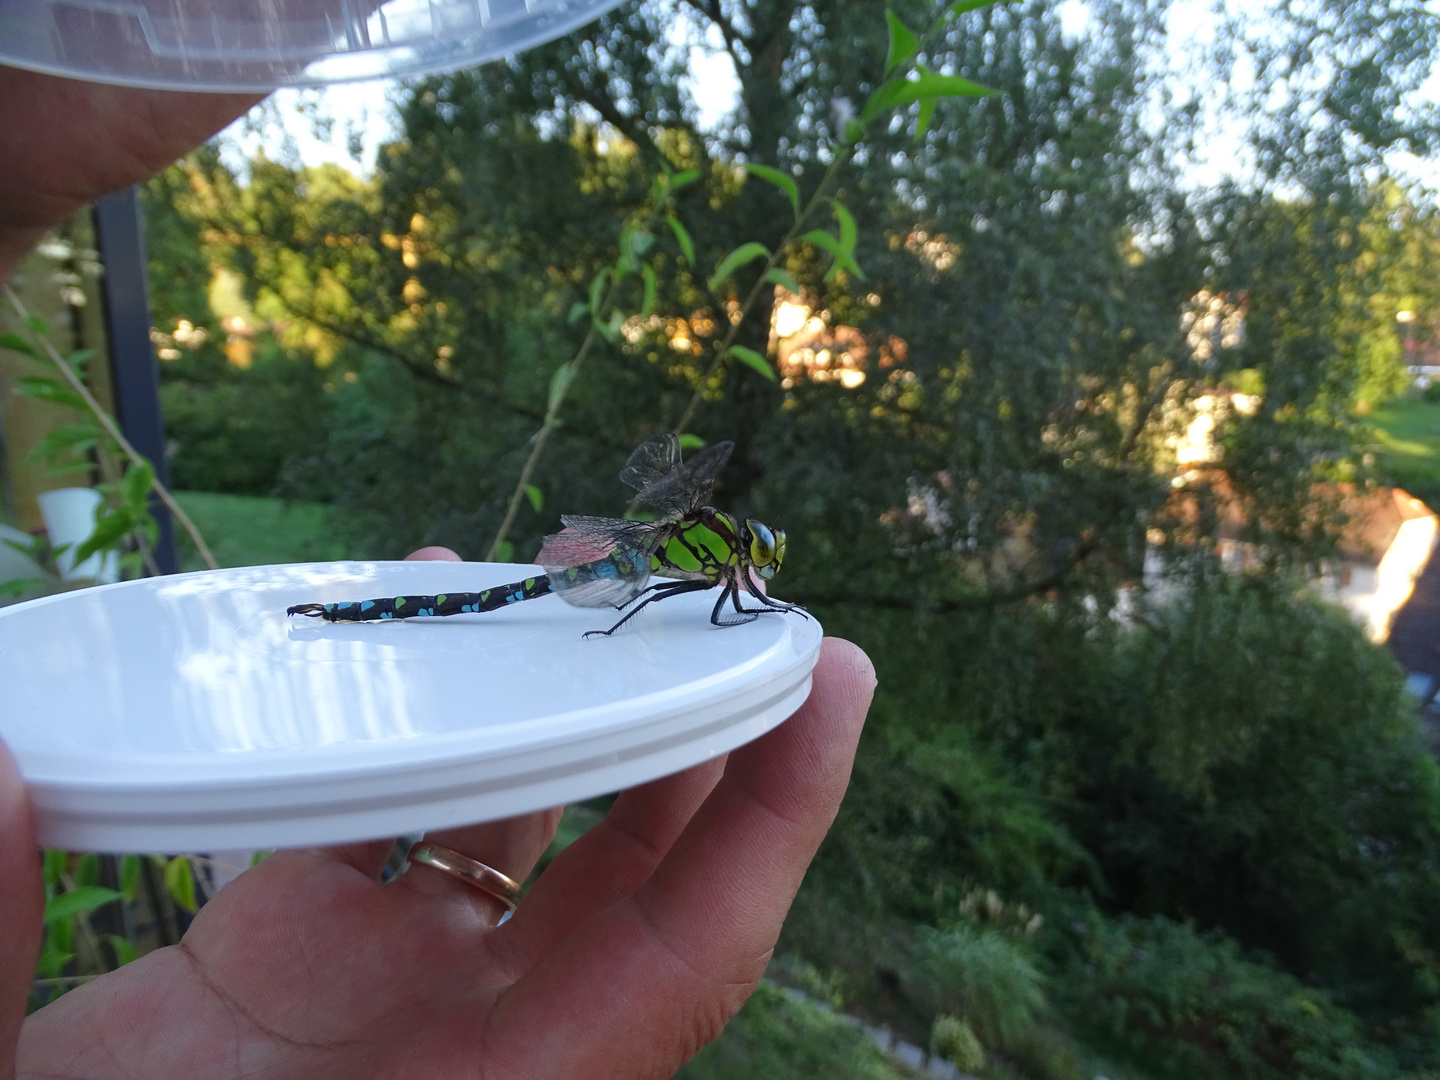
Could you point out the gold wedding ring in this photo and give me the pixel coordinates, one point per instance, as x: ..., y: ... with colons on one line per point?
x: 471, y: 871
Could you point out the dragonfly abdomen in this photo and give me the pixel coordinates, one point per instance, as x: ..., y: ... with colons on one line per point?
x: 417, y: 607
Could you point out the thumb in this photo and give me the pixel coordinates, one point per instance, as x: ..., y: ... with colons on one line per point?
x: 22, y: 900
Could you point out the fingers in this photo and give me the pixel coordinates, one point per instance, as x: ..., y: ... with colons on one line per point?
x: 369, y: 857
x: 512, y: 846
x: 646, y: 982
x: 613, y: 859
x: 110, y: 137
x: 22, y: 899
x: 433, y: 554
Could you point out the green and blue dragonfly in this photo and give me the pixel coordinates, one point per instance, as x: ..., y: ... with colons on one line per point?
x: 608, y: 562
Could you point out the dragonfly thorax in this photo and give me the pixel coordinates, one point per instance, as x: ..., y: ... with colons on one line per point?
x: 718, y: 547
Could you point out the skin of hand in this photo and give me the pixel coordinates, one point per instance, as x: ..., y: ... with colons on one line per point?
x: 628, y: 954
x: 64, y: 143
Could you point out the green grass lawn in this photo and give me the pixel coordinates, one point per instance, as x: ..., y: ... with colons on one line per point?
x: 247, y: 530
x: 1408, y: 433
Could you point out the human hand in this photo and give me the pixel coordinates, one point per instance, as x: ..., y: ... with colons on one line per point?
x: 631, y: 951
x: 65, y: 143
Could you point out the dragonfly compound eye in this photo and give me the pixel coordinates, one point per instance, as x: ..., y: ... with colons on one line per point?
x: 761, y: 542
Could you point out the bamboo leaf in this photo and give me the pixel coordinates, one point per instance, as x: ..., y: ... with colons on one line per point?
x: 823, y: 240
x: 505, y: 551
x: 752, y: 359
x: 87, y: 869
x: 682, y: 237
x: 578, y: 311
x: 922, y: 121
x: 777, y: 276
x: 125, y: 950
x: 180, y: 882
x: 77, y: 901
x: 559, y: 383
x: 52, y: 866
x: 641, y: 242
x: 536, y: 497
x: 965, y: 6
x: 849, y: 233
x: 782, y: 181
x: 745, y: 253
x: 684, y: 179
x: 647, y: 302
x: 16, y: 343
x: 136, y: 484
x: 44, y: 388
x: 38, y: 326
x: 109, y: 531
x: 129, y: 876
x: 926, y: 85
x: 78, y: 438
x: 844, y: 260
x: 597, y: 289
x: 903, y: 43
x: 691, y: 442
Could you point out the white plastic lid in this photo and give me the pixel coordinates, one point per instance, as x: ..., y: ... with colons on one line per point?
x: 262, y: 44
x: 188, y: 713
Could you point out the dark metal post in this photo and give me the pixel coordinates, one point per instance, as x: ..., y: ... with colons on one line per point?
x: 134, y: 373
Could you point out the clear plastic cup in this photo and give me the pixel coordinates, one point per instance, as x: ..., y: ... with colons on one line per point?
x: 261, y: 44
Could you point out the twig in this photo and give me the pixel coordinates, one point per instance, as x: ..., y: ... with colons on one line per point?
x: 106, y: 422
x: 839, y: 163
x: 537, y: 446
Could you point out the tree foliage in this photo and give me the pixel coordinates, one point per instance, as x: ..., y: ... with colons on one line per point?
x: 973, y: 440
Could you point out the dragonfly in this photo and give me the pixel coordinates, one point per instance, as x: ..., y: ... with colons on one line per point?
x: 598, y: 562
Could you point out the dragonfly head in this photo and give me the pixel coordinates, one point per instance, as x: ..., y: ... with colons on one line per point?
x: 764, y: 546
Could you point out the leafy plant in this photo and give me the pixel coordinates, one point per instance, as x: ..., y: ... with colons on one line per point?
x: 979, y: 975
x: 955, y: 1040
x: 128, y: 487
x: 1191, y: 1002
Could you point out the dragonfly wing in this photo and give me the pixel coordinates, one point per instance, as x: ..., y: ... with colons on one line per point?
x: 599, y: 562
x: 651, y: 460
x: 683, y: 486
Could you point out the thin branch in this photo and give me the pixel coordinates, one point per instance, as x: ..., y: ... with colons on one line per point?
x: 537, y: 444
x: 105, y: 421
x: 416, y: 368
x: 711, y: 10
x: 841, y: 160
x: 605, y: 106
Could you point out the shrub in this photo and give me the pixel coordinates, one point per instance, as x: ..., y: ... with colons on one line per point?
x: 1189, y: 1002
x: 776, y: 1037
x: 980, y: 975
x: 954, y: 1040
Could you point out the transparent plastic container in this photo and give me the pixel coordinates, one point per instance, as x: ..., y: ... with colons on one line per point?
x: 261, y: 44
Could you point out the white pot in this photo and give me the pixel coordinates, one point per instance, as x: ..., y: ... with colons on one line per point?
x: 69, y: 515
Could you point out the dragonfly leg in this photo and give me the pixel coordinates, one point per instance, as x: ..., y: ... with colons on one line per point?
x: 769, y: 604
x: 666, y: 587
x: 660, y: 593
x: 733, y: 594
